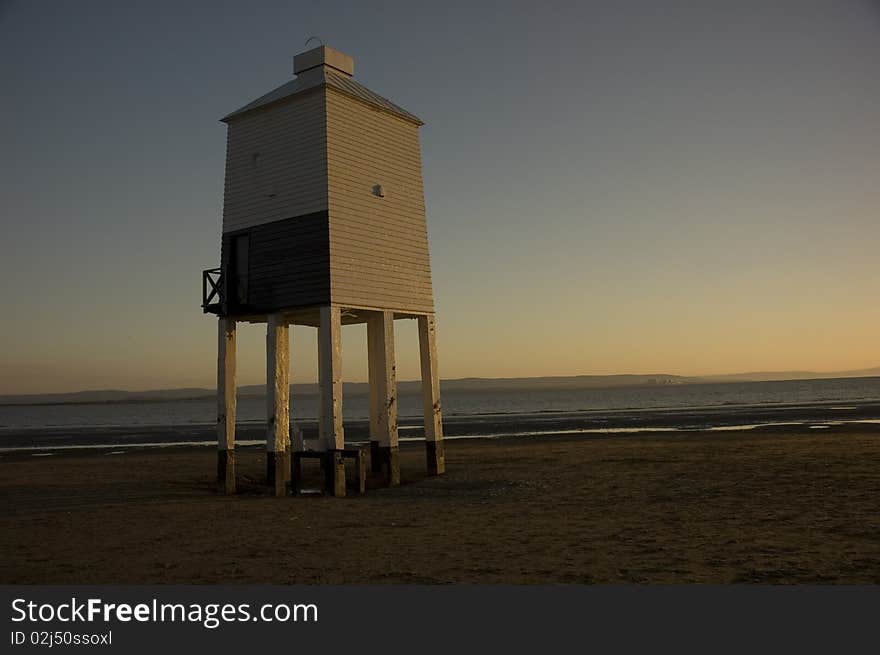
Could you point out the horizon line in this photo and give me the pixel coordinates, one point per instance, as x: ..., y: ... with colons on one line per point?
x: 820, y: 374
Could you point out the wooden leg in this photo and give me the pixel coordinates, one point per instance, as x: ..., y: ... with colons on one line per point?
x: 374, y: 329
x: 435, y: 458
x: 383, y: 395
x: 330, y: 405
x: 277, y: 404
x: 226, y: 398
x: 334, y: 473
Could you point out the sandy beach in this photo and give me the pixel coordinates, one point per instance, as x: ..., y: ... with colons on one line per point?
x: 774, y: 505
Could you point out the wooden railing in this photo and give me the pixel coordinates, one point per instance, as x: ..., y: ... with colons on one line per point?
x: 212, y: 290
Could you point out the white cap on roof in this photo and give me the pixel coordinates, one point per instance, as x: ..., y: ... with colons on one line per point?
x: 323, y: 56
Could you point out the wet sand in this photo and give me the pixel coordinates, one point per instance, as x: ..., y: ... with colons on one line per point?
x: 539, y: 423
x: 780, y: 505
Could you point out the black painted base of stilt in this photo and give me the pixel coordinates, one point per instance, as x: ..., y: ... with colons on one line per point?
x: 226, y: 471
x: 278, y: 472
x: 389, y: 464
x: 334, y: 473
x: 375, y: 458
x: 435, y: 457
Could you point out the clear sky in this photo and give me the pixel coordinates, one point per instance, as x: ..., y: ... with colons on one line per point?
x: 612, y: 187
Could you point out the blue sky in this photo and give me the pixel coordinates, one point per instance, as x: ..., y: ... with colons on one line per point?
x: 612, y: 187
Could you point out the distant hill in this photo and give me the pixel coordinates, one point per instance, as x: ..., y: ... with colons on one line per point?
x: 760, y: 376
x: 404, y: 386
x: 105, y: 396
x: 413, y: 386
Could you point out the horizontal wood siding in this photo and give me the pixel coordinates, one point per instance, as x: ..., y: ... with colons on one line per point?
x: 289, y: 264
x: 378, y: 246
x: 289, y: 177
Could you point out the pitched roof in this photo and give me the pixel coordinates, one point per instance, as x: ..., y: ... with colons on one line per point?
x: 327, y: 77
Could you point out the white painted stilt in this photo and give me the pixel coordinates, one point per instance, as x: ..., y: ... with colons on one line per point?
x: 435, y: 456
x: 277, y: 404
x: 330, y: 411
x: 383, y: 396
x: 226, y: 390
x: 373, y: 375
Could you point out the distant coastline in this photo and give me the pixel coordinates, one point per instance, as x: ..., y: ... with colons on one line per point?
x: 115, y: 396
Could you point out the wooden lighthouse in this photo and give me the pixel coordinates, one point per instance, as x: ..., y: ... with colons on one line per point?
x: 324, y: 225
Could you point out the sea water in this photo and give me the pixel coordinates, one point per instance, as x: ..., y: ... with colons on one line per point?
x: 670, y: 401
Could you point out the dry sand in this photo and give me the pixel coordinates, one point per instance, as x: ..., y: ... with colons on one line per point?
x: 771, y: 506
